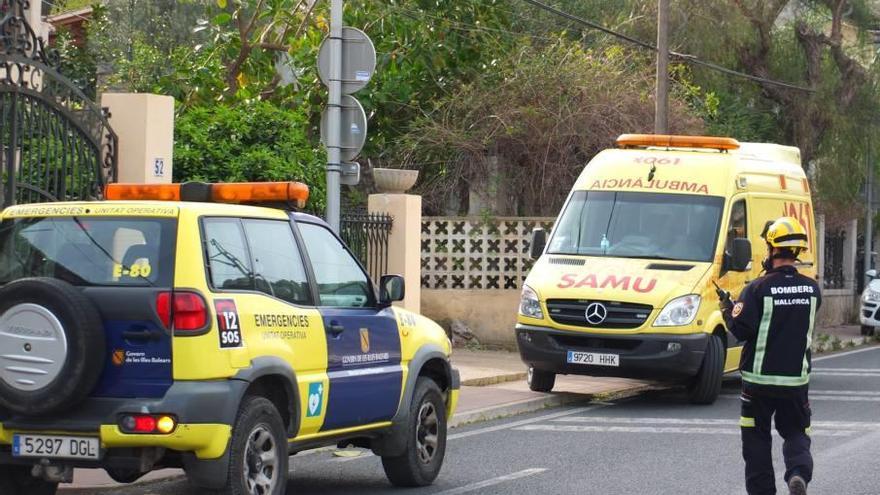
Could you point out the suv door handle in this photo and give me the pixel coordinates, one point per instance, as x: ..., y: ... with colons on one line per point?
x: 335, y: 329
x: 142, y: 335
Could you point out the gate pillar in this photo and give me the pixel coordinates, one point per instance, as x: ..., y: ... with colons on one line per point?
x: 144, y: 124
x: 405, y: 241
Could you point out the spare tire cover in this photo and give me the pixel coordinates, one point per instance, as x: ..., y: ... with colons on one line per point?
x: 52, y: 346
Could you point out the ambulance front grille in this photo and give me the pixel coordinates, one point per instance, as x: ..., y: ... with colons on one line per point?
x: 620, y: 315
x: 567, y: 261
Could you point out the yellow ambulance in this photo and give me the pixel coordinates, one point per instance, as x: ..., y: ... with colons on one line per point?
x: 623, y: 286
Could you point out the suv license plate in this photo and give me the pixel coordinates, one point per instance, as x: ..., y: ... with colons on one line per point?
x: 593, y: 358
x: 55, y: 446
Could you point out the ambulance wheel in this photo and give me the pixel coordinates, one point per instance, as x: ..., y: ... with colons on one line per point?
x: 258, y: 456
x: 540, y: 380
x: 867, y: 330
x: 425, y: 440
x: 706, y: 386
x: 17, y: 480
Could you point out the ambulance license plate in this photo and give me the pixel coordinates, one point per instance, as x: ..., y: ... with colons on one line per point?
x: 593, y: 358
x: 55, y: 446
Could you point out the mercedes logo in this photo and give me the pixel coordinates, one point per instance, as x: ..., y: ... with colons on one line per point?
x: 596, y: 313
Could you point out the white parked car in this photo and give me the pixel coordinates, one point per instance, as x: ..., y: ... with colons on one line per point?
x: 869, y: 313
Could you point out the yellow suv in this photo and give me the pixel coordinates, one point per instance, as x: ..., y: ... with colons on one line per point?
x: 184, y: 326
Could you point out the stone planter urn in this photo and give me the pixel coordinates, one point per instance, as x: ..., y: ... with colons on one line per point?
x: 394, y: 180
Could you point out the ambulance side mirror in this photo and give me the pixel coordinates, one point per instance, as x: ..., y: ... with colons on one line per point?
x: 391, y: 288
x: 741, y: 256
x: 872, y: 274
x: 539, y: 242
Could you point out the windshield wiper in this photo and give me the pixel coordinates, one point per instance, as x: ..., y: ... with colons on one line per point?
x: 231, y: 259
x: 650, y: 257
x: 235, y: 262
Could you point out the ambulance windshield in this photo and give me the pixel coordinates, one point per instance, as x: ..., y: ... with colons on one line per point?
x: 639, y: 225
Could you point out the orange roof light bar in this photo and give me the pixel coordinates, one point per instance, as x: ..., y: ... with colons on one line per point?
x: 231, y: 192
x: 261, y: 192
x: 667, y: 141
x: 142, y: 192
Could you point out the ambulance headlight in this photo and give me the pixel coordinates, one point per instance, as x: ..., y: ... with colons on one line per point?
x: 679, y: 312
x: 871, y: 296
x: 529, y: 305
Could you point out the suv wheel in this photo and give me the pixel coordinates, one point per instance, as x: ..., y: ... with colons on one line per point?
x: 540, y: 380
x: 425, y: 439
x: 867, y: 330
x: 258, y: 457
x: 707, y: 384
x: 17, y: 480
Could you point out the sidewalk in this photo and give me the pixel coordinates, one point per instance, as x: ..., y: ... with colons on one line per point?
x: 827, y: 339
x: 493, y: 386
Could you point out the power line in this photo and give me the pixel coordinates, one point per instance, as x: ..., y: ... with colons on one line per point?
x: 691, y: 59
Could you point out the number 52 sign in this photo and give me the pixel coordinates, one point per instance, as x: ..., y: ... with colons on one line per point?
x: 159, y: 167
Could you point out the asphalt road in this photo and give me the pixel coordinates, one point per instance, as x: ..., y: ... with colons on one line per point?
x: 653, y: 444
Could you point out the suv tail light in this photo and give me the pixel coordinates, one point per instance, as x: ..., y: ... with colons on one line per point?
x: 148, y: 423
x: 182, y: 311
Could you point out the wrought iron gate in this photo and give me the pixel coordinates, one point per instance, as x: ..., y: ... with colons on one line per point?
x: 367, y: 236
x: 55, y: 143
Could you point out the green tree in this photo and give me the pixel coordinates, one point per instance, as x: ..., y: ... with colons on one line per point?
x: 523, y: 131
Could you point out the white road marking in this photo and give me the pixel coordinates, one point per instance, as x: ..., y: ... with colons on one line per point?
x: 489, y: 429
x: 847, y: 353
x: 818, y: 397
x: 845, y: 392
x: 817, y: 425
x: 851, y: 370
x: 492, y: 482
x: 660, y: 430
x: 844, y: 373
x: 514, y: 424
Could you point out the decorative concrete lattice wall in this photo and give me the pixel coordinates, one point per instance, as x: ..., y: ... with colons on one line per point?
x: 477, y: 253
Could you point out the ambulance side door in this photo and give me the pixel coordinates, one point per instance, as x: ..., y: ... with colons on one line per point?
x: 737, y: 228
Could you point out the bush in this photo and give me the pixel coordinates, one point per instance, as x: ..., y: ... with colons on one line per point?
x: 255, y: 141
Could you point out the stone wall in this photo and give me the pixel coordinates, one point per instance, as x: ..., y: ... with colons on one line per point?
x: 839, y: 307
x: 490, y: 315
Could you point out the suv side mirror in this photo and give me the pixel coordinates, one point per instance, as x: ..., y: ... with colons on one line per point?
x: 539, y: 242
x: 741, y: 256
x: 872, y: 274
x: 391, y: 288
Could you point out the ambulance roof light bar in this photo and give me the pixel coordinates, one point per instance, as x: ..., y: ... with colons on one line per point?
x: 295, y: 193
x: 667, y: 141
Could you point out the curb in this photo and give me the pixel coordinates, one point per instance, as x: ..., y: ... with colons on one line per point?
x: 539, y: 403
x: 828, y: 346
x: 485, y: 381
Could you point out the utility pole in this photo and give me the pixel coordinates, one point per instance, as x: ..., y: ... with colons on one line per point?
x: 661, y: 109
x: 869, y: 219
x: 334, y: 116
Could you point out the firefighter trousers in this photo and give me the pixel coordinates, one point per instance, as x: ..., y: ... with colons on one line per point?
x: 792, y: 413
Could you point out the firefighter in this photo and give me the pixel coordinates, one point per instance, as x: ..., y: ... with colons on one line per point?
x: 774, y: 316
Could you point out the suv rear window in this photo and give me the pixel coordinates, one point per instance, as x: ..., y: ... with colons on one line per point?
x: 89, y: 251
